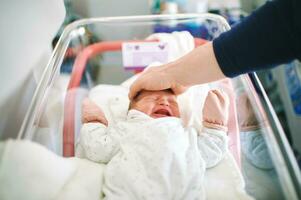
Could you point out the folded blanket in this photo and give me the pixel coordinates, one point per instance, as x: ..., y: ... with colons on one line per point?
x: 30, y: 171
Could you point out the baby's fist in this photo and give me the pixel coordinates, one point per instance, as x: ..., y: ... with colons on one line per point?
x: 92, y: 113
x: 216, y: 110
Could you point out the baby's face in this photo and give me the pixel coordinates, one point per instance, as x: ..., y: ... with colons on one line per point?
x: 157, y: 104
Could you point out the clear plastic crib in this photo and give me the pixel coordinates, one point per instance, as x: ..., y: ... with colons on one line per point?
x: 53, y: 118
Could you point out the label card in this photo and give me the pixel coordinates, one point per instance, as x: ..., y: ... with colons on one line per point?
x: 138, y: 55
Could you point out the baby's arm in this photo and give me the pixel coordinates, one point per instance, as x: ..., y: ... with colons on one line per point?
x: 212, y: 144
x: 212, y: 140
x: 95, y: 143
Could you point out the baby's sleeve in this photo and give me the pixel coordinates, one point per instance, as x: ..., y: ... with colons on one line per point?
x: 96, y: 143
x: 212, y: 145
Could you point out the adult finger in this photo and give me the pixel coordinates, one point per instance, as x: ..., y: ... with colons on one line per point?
x: 135, y: 88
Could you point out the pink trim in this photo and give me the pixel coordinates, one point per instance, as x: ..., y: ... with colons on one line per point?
x: 215, y: 126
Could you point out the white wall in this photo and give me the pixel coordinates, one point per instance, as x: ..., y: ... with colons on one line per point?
x: 109, y: 8
x: 27, y: 28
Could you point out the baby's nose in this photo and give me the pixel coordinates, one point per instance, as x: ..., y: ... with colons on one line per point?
x: 164, y: 101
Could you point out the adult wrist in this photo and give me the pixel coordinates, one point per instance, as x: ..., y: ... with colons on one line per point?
x: 197, y: 67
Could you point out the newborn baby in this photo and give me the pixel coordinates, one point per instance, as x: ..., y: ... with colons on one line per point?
x: 151, y: 155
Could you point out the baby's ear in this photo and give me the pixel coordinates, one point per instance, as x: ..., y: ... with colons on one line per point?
x: 133, y: 101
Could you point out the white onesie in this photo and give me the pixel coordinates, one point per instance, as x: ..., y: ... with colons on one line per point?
x: 152, y: 158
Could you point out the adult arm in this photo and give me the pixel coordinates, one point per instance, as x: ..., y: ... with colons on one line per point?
x: 271, y: 35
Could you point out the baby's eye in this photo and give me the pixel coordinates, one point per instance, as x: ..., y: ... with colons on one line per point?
x: 172, y: 101
x: 151, y: 98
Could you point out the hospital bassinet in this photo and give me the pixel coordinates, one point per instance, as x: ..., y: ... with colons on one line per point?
x: 53, y: 118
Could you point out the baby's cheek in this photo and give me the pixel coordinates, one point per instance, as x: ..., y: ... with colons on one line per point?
x: 176, y: 111
x: 150, y: 109
x: 144, y: 107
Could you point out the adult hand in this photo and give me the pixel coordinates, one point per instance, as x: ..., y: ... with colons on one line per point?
x: 198, y: 66
x: 92, y: 113
x: 156, y: 78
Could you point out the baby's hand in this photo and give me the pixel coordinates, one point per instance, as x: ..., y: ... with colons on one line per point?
x: 216, y: 110
x: 92, y: 113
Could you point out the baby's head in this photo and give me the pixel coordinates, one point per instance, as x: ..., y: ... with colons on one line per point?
x: 156, y: 104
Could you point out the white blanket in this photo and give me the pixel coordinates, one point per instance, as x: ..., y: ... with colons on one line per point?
x: 158, y: 158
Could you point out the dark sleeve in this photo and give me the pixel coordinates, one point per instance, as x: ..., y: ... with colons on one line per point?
x: 271, y: 35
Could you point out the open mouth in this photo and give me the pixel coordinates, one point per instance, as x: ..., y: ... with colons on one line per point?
x: 162, y: 113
